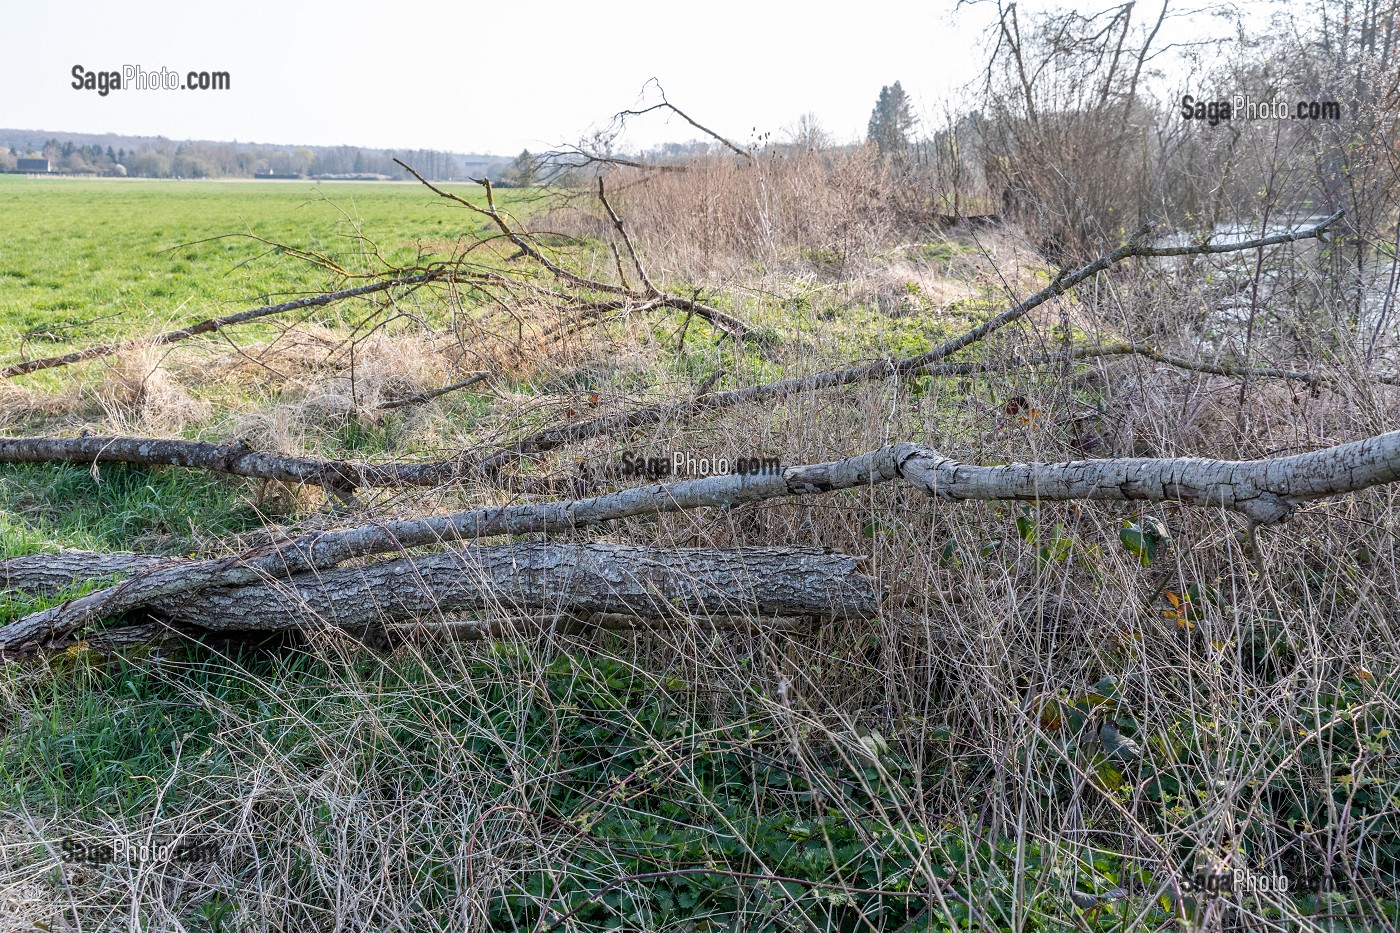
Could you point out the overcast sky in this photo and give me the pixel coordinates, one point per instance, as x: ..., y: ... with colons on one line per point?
x: 480, y: 77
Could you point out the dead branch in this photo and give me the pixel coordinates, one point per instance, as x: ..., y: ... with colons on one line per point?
x: 1264, y: 491
x: 880, y: 369
x: 573, y: 157
x: 715, y: 587
x: 421, y: 397
x: 626, y: 241
x: 219, y: 323
x: 667, y: 105
x: 726, y: 323
x: 339, y: 477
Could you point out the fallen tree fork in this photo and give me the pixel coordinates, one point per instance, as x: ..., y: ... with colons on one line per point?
x: 343, y: 477
x: 1264, y: 491
x: 724, y: 587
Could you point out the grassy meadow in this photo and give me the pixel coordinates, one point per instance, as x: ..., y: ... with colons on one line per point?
x: 87, y: 260
x: 1041, y: 720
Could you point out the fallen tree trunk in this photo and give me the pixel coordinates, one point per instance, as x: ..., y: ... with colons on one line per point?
x: 343, y: 477
x: 731, y: 588
x: 47, y: 575
x: 1264, y: 491
x: 337, y: 476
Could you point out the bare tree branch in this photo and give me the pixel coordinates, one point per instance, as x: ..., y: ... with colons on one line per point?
x: 218, y: 323
x: 667, y: 105
x: 421, y: 397
x: 340, y: 477
x: 727, y: 323
x: 626, y: 241
x: 880, y: 369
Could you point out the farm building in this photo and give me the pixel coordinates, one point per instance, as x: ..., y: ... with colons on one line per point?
x: 33, y: 165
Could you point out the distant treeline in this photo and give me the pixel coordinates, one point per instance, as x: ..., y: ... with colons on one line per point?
x: 158, y: 157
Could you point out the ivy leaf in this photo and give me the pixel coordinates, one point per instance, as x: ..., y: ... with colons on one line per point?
x: 1057, y: 550
x: 1146, y: 541
x: 1107, y: 687
x: 1117, y: 745
x: 1025, y: 525
x: 1198, y: 595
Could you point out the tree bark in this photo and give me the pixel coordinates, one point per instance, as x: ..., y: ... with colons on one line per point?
x: 1264, y: 491
x: 729, y: 588
x: 46, y: 575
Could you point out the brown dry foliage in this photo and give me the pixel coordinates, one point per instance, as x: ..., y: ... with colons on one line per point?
x: 724, y: 213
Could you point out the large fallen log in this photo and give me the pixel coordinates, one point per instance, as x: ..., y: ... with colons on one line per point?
x: 1264, y: 491
x: 731, y: 588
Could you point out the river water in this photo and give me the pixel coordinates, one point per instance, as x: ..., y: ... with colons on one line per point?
x: 1294, y: 282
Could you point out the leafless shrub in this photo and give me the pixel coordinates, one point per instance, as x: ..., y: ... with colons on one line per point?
x: 724, y: 213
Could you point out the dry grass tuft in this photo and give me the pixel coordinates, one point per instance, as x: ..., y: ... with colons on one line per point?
x: 139, y: 394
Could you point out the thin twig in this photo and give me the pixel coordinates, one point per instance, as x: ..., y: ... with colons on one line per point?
x: 435, y: 393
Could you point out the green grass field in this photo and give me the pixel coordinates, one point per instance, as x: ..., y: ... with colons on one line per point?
x: 83, y: 260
